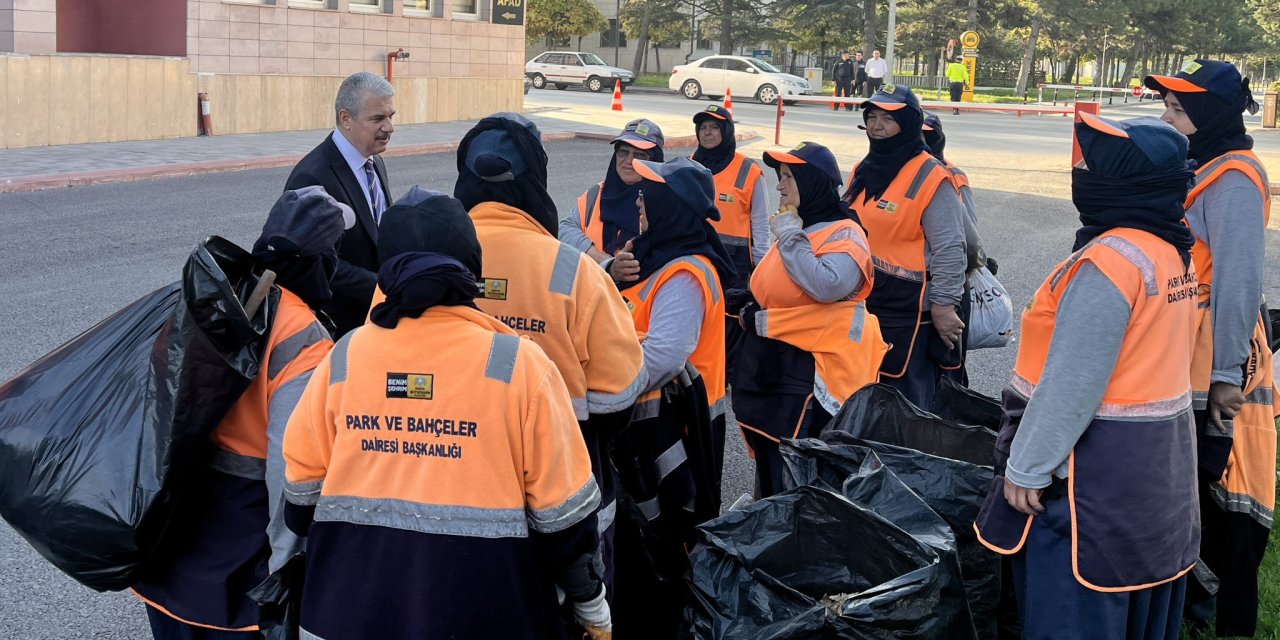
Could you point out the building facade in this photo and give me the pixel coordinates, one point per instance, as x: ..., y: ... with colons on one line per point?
x: 108, y: 70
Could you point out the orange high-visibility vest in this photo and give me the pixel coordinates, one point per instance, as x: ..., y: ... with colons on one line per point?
x: 843, y: 337
x: 735, y: 187
x: 589, y: 215
x: 564, y: 302
x: 895, y: 231
x: 1248, y: 485
x: 708, y: 357
x: 1135, y: 521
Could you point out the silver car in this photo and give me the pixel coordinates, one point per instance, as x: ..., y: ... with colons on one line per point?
x: 564, y: 68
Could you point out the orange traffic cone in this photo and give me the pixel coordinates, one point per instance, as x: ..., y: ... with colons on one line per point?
x: 728, y: 101
x: 617, y: 96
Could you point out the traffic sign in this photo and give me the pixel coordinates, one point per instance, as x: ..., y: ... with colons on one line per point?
x: 1137, y: 91
x: 766, y: 54
x: 970, y: 39
x: 510, y: 12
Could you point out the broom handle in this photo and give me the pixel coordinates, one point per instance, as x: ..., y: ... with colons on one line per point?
x: 259, y: 293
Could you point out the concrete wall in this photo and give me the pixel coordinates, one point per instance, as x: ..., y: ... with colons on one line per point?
x: 135, y: 27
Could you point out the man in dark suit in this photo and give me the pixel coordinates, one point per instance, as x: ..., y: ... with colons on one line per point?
x: 349, y: 167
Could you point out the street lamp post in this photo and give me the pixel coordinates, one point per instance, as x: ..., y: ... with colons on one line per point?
x: 888, y: 46
x: 617, y: 29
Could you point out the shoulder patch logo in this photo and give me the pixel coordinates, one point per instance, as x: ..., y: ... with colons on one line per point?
x: 891, y: 207
x: 418, y: 386
x: 724, y: 197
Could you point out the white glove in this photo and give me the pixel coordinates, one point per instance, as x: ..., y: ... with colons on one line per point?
x: 594, y: 613
x: 784, y: 222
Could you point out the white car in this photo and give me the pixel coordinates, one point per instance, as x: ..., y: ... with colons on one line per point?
x: 746, y: 77
x: 563, y: 68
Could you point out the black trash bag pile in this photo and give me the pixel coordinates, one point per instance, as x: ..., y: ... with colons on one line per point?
x: 96, y: 435
x: 810, y: 563
x: 948, y: 464
x: 963, y: 405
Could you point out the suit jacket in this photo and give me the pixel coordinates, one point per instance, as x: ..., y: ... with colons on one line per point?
x: 356, y: 277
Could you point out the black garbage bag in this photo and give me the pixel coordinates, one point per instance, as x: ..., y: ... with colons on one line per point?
x: 958, y: 403
x: 880, y: 413
x: 949, y: 465
x: 279, y: 600
x: 95, y: 436
x: 810, y: 563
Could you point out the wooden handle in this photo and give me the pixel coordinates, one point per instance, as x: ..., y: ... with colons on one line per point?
x: 259, y: 293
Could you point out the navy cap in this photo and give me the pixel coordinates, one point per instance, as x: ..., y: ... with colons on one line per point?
x: 810, y: 153
x: 892, y: 97
x: 1221, y: 79
x: 714, y: 111
x: 418, y: 194
x: 641, y: 134
x: 494, y: 156
x: 306, y: 222
x: 689, y: 180
x: 1158, y: 141
x: 931, y: 122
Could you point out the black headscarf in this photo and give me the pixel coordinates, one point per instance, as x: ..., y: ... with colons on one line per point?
x: 299, y: 243
x: 819, y: 195
x: 509, y: 167
x: 415, y: 282
x: 937, y: 142
x: 1219, y: 123
x: 887, y: 157
x: 618, y: 210
x: 438, y: 224
x: 680, y: 226
x: 715, y: 160
x: 1123, y: 187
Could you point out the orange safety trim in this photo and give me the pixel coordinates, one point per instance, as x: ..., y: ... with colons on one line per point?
x: 1006, y: 552
x: 784, y: 157
x: 647, y: 172
x: 1178, y: 84
x: 165, y: 611
x: 1099, y: 124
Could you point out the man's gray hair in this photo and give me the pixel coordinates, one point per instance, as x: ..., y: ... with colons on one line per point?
x: 355, y: 89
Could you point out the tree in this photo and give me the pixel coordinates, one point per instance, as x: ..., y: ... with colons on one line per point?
x: 653, y: 23
x: 560, y: 19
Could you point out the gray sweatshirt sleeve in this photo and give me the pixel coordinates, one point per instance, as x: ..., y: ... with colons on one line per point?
x: 759, y: 220
x: 1236, y: 236
x: 1092, y: 319
x: 571, y: 232
x: 944, y: 244
x: 832, y: 277
x: 674, y: 328
x: 972, y: 243
x: 284, y: 543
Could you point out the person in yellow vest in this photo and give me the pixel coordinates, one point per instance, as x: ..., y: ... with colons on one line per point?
x: 958, y: 76
x: 230, y: 533
x: 549, y: 291
x: 810, y: 342
x: 670, y: 459
x: 742, y: 197
x: 1095, y: 490
x: 435, y: 466
x: 607, y: 220
x: 1231, y: 372
x: 906, y: 201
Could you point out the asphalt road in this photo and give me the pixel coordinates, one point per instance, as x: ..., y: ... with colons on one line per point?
x: 71, y: 257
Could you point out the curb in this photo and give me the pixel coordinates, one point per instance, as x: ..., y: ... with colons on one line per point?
x: 183, y: 170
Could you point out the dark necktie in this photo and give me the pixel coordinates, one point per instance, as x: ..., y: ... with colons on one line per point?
x: 375, y: 194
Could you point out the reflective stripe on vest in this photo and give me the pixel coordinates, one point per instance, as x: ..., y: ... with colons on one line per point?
x: 338, y: 359
x: 284, y: 353
x: 734, y: 189
x: 589, y: 215
x: 501, y: 364
x: 565, y: 271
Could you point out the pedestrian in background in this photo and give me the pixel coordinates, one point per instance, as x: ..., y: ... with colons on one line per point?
x: 860, y: 77
x: 958, y: 75
x: 843, y: 72
x: 877, y: 69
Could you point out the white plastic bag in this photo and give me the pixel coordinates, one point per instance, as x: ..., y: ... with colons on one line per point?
x: 991, y: 311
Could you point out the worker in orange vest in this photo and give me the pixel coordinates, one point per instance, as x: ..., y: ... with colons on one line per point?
x: 670, y: 459
x: 810, y: 342
x: 907, y: 203
x: 743, y: 201
x: 1095, y: 489
x: 607, y: 217
x: 549, y: 291
x: 230, y: 532
x: 438, y: 438
x: 1231, y: 374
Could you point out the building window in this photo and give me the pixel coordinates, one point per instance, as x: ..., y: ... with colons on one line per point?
x: 417, y: 7
x: 366, y: 5
x: 467, y: 8
x: 306, y: 4
x: 703, y: 43
x: 612, y: 35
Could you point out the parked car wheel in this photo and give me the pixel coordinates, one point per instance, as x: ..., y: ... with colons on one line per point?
x: 561, y: 86
x: 691, y: 90
x: 766, y: 94
x: 539, y: 81
x: 594, y: 83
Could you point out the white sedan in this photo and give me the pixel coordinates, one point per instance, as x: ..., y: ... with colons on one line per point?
x: 712, y: 75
